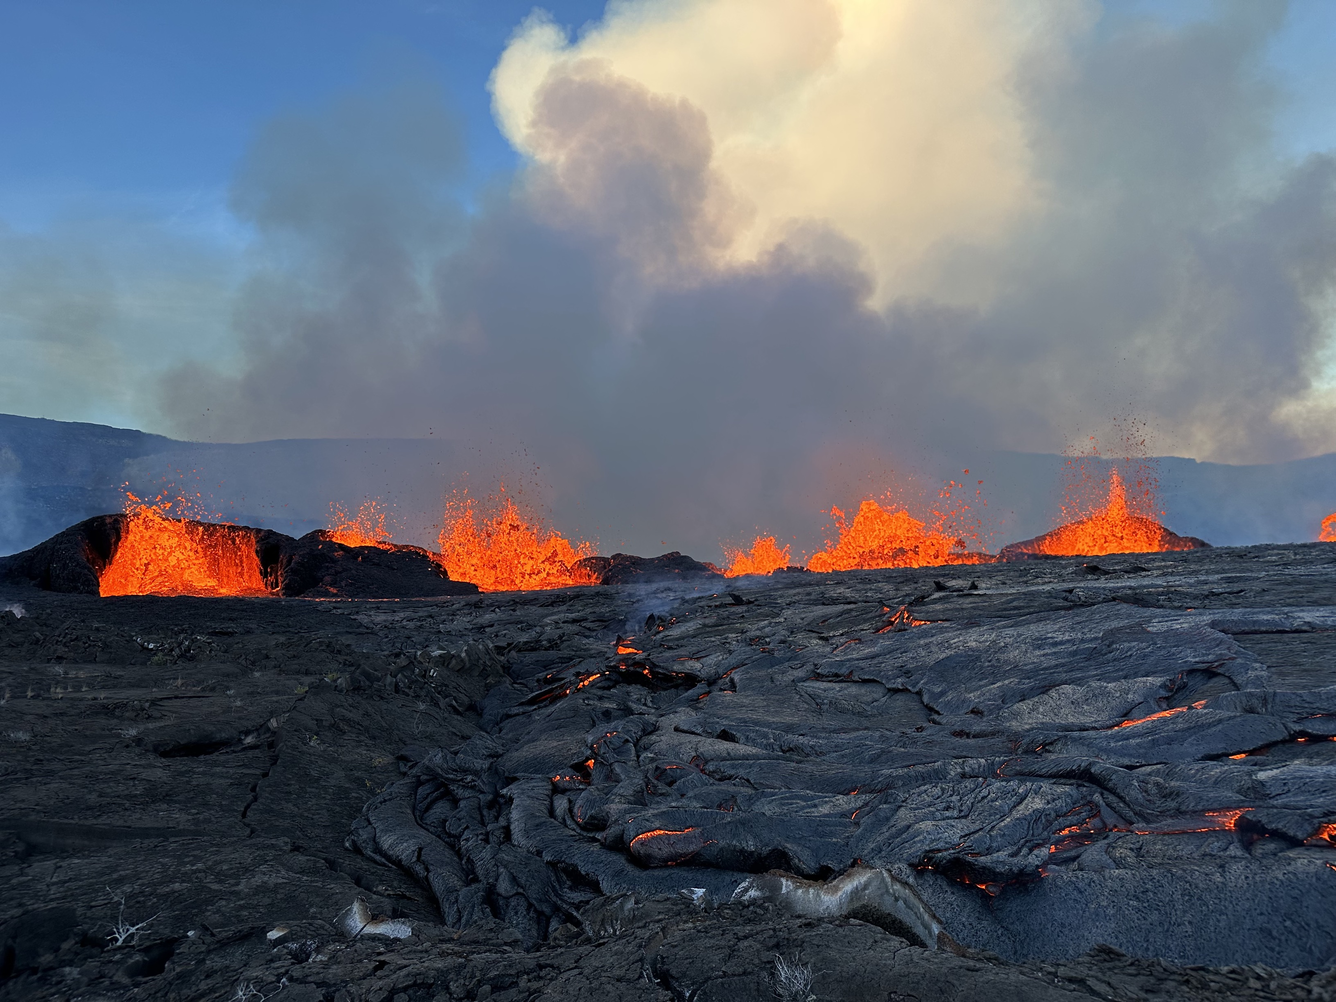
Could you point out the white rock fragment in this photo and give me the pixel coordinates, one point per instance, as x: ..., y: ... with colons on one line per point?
x: 357, y: 920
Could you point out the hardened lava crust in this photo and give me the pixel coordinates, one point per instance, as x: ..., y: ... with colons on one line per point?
x: 1050, y: 779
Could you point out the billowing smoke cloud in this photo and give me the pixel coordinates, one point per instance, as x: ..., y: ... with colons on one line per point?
x: 761, y: 251
x: 897, y: 124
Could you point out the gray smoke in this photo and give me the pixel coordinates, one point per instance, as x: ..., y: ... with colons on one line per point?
x: 1180, y: 273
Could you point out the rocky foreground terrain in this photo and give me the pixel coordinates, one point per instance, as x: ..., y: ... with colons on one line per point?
x: 1053, y: 779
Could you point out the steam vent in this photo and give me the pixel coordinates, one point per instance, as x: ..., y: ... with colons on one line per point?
x: 1026, y: 778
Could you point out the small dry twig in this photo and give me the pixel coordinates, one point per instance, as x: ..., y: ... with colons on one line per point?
x: 123, y: 930
x: 792, y: 980
x: 247, y: 992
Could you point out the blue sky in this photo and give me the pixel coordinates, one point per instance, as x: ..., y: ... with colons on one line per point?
x: 152, y: 102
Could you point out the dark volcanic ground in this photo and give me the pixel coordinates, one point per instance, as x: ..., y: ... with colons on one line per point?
x: 959, y: 810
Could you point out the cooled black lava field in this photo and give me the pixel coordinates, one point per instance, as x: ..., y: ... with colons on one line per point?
x: 1051, y: 779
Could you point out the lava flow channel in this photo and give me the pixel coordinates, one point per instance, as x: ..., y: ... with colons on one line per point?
x: 160, y: 555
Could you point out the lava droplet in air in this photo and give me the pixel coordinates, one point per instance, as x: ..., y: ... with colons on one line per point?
x: 161, y: 555
x: 765, y: 557
x: 508, y: 552
x: 367, y: 528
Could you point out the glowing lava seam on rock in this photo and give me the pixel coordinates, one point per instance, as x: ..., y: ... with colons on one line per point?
x: 1325, y: 833
x: 902, y: 619
x: 1160, y: 715
x: 1225, y: 819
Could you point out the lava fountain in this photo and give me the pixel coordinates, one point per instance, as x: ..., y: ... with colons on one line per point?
x: 366, y: 528
x: 162, y: 555
x: 1328, y: 533
x: 878, y: 538
x: 765, y: 557
x: 508, y: 552
x: 1112, y: 528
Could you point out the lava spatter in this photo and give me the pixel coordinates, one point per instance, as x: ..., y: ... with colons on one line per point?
x: 507, y: 551
x: 161, y: 554
x: 764, y: 557
x: 878, y: 538
x: 366, y: 528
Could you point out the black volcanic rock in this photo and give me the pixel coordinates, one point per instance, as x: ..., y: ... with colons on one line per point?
x: 313, y: 566
x: 650, y: 794
x: 625, y: 568
x: 1009, y: 770
x: 71, y: 560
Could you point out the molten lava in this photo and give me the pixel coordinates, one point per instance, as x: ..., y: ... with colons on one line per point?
x: 507, y: 552
x: 1113, y: 528
x: 1226, y: 819
x: 366, y: 529
x: 160, y: 555
x: 765, y: 558
x: 1325, y: 834
x: 1161, y: 715
x: 879, y: 538
x: 1328, y: 533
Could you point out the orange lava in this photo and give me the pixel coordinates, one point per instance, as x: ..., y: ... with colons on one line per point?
x: 1328, y: 533
x: 765, y: 558
x: 506, y: 551
x: 1226, y: 819
x: 366, y: 529
x: 160, y: 555
x: 645, y: 837
x: 902, y: 619
x: 1325, y: 834
x: 879, y: 538
x: 1113, y: 528
x: 1161, y: 715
